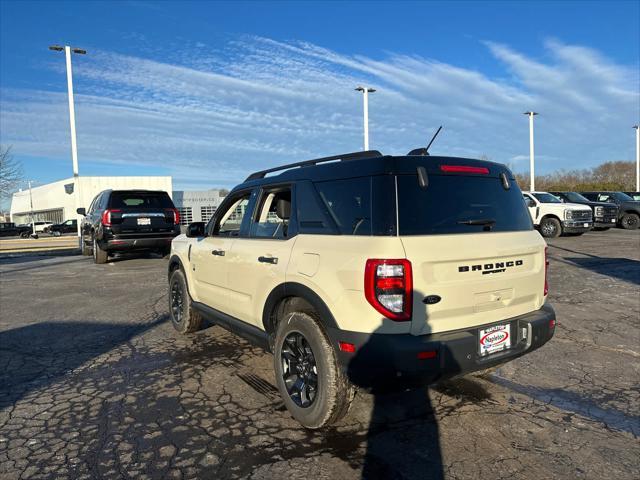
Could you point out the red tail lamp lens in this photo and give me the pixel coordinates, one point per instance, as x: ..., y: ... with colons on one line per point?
x: 106, y: 216
x: 388, y: 287
x: 427, y: 355
x: 347, y: 347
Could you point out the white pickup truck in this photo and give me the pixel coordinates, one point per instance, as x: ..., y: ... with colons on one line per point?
x: 554, y: 218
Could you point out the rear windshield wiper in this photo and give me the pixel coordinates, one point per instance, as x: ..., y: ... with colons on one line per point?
x: 478, y: 221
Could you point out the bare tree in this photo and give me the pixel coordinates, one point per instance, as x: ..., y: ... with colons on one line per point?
x: 11, y: 173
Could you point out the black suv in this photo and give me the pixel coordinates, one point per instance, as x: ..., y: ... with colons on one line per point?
x: 628, y: 208
x: 605, y: 215
x: 70, y: 226
x: 128, y: 220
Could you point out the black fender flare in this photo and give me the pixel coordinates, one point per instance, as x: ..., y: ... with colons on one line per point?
x: 174, y: 261
x: 293, y: 289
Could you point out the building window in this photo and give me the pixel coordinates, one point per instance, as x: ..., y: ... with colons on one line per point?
x: 186, y: 216
x: 206, y: 212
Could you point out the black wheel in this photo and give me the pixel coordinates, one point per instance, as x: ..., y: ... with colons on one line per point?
x: 314, y: 389
x: 100, y: 256
x: 550, y: 227
x: 84, y: 248
x: 630, y: 221
x: 24, y: 235
x: 183, y: 317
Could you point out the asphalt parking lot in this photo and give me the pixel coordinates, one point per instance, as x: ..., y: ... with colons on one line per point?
x: 95, y: 383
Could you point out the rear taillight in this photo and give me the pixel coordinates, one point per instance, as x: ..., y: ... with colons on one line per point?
x: 388, y: 287
x: 106, y: 216
x: 546, y: 270
x: 176, y: 215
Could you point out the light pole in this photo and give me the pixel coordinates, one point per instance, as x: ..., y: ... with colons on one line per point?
x: 637, y: 127
x: 532, y: 181
x: 33, y: 221
x: 365, y: 98
x: 72, y: 121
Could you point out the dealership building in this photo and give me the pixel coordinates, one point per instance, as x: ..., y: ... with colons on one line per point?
x: 55, y: 202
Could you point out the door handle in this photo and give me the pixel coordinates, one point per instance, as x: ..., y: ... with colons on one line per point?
x: 219, y: 253
x: 272, y: 260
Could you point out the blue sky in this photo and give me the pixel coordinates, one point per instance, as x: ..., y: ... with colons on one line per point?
x: 208, y: 92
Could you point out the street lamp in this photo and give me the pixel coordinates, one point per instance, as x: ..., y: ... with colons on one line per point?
x: 637, y: 127
x: 532, y: 187
x: 72, y: 119
x: 365, y: 98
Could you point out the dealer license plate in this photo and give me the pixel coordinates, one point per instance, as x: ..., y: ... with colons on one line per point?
x: 494, y: 339
x: 144, y: 221
x: 586, y: 225
x: 613, y: 220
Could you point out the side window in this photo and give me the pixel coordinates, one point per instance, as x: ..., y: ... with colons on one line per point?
x: 230, y: 221
x: 529, y: 201
x: 273, y: 214
x: 94, y: 203
x: 349, y: 204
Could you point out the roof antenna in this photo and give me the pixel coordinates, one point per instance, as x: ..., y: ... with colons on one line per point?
x: 425, y: 151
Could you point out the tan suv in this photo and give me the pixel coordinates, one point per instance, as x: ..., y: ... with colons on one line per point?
x: 364, y: 270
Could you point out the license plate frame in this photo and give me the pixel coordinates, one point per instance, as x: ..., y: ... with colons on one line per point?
x: 144, y: 221
x: 494, y: 339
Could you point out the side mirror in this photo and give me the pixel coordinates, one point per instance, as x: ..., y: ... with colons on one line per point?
x: 81, y: 211
x: 195, y: 229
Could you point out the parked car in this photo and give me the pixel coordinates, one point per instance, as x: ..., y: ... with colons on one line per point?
x: 9, y: 229
x: 364, y: 270
x: 628, y: 208
x: 634, y: 195
x: 605, y: 215
x: 42, y: 226
x: 69, y: 226
x: 554, y: 218
x: 128, y: 220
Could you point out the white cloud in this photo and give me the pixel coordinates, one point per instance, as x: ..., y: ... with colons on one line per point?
x: 258, y: 102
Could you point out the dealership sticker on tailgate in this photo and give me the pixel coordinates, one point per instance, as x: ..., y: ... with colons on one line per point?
x: 494, y: 339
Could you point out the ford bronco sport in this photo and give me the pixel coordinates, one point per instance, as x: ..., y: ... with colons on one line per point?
x: 363, y: 269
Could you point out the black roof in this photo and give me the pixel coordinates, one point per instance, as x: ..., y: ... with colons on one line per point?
x: 360, y: 164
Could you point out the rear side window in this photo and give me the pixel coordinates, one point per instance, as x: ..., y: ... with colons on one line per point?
x: 140, y: 200
x: 459, y: 204
x: 348, y: 203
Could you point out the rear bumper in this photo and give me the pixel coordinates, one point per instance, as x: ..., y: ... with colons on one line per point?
x: 119, y: 244
x: 382, y: 360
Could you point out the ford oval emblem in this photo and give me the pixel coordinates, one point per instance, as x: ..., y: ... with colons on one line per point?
x: 431, y: 299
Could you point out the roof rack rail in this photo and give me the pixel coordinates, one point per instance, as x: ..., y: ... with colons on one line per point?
x: 315, y: 161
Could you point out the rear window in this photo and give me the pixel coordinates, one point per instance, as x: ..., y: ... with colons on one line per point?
x: 140, y: 200
x: 460, y: 204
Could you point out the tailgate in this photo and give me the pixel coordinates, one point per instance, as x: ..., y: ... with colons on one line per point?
x: 480, y: 278
x: 130, y: 220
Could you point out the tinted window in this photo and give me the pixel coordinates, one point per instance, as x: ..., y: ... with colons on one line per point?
x: 140, y: 200
x: 313, y: 216
x: 459, y: 204
x: 546, y: 198
x: 348, y: 203
x: 622, y: 197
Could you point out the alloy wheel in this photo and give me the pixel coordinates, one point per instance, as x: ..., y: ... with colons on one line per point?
x: 177, y: 301
x: 299, y: 369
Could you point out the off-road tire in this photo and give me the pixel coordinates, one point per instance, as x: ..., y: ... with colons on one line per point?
x: 630, y: 221
x: 550, y: 227
x: 183, y: 317
x: 100, y: 256
x: 84, y: 248
x: 334, y: 392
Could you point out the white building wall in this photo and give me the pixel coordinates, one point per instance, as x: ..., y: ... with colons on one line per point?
x: 52, y: 196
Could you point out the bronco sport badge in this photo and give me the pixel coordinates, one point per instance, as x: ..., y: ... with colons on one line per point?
x: 487, y: 268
